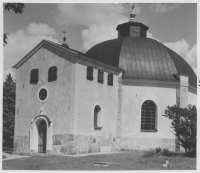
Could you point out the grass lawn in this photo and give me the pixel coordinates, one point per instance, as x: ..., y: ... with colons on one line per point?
x: 124, y: 161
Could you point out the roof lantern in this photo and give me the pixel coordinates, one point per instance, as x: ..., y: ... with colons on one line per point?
x: 132, y: 28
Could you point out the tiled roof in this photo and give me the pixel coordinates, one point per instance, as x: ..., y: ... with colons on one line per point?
x: 142, y: 58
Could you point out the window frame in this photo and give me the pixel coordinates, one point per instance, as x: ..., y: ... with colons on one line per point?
x: 34, y: 76
x: 110, y: 79
x: 38, y: 92
x: 51, y: 75
x: 90, y: 73
x: 100, y: 76
x: 148, y: 117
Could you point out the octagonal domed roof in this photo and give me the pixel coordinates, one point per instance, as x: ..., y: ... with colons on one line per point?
x: 142, y: 58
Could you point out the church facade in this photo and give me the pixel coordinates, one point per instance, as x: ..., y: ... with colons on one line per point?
x: 110, y: 98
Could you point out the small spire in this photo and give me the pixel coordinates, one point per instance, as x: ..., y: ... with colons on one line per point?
x: 133, y: 14
x: 64, y: 43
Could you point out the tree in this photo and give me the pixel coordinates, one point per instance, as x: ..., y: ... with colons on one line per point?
x: 9, y: 90
x: 184, y: 124
x: 17, y: 8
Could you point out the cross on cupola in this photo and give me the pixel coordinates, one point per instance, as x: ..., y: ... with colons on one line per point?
x: 133, y: 14
x: 64, y: 43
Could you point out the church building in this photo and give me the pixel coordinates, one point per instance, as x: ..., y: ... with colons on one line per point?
x: 111, y: 98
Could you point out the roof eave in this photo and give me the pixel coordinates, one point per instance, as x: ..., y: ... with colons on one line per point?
x: 20, y: 62
x: 27, y: 56
x: 133, y: 24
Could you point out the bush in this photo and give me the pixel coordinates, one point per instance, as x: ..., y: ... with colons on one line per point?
x: 4, y: 157
x: 165, y: 152
x: 157, y: 150
x: 184, y: 124
x: 148, y: 153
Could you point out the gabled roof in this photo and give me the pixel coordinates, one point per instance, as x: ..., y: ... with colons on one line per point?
x: 69, y: 51
x: 26, y: 57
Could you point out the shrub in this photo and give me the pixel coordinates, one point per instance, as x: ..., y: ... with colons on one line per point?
x: 165, y: 152
x: 148, y: 153
x: 4, y: 157
x: 122, y: 149
x: 184, y: 124
x: 157, y: 150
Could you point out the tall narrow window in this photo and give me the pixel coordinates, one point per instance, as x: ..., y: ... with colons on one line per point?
x: 34, y: 76
x: 110, y: 79
x: 100, y: 76
x: 97, y: 118
x: 89, y: 73
x: 148, y: 121
x: 52, y: 74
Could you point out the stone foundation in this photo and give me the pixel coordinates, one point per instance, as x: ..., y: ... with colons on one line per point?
x: 81, y: 144
x: 21, y: 145
x: 147, y: 143
x: 70, y: 144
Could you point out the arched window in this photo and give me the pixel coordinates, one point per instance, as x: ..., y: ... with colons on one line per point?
x: 34, y: 76
x: 97, y: 118
x: 148, y: 121
x: 89, y: 73
x: 52, y: 74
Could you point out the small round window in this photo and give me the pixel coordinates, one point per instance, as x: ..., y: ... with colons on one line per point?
x: 42, y: 94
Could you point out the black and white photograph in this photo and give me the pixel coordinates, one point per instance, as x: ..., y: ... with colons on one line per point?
x: 108, y: 85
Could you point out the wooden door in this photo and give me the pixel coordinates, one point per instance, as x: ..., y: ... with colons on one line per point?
x: 42, y: 134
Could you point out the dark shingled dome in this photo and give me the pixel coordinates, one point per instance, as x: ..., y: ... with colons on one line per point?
x: 142, y: 58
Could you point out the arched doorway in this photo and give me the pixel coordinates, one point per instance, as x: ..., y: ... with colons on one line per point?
x: 42, y: 136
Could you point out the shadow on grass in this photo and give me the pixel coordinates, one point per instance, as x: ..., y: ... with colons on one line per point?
x: 182, y: 154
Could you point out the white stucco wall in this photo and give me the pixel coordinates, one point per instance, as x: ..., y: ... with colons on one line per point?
x: 133, y: 97
x: 57, y: 107
x: 192, y: 98
x: 88, y: 94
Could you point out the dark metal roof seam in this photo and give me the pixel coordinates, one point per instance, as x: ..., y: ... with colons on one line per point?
x: 169, y: 77
x: 183, y: 67
x: 173, y: 65
x: 175, y: 71
x: 149, y: 57
x: 110, y: 54
x: 134, y: 57
x: 161, y: 58
x: 141, y: 41
x: 135, y: 51
x: 127, y: 42
x: 154, y: 54
x: 139, y: 53
x: 117, y: 53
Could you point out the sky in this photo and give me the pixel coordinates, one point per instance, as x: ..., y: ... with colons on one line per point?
x: 174, y: 25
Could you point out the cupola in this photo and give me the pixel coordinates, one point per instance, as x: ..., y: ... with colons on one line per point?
x: 132, y: 28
